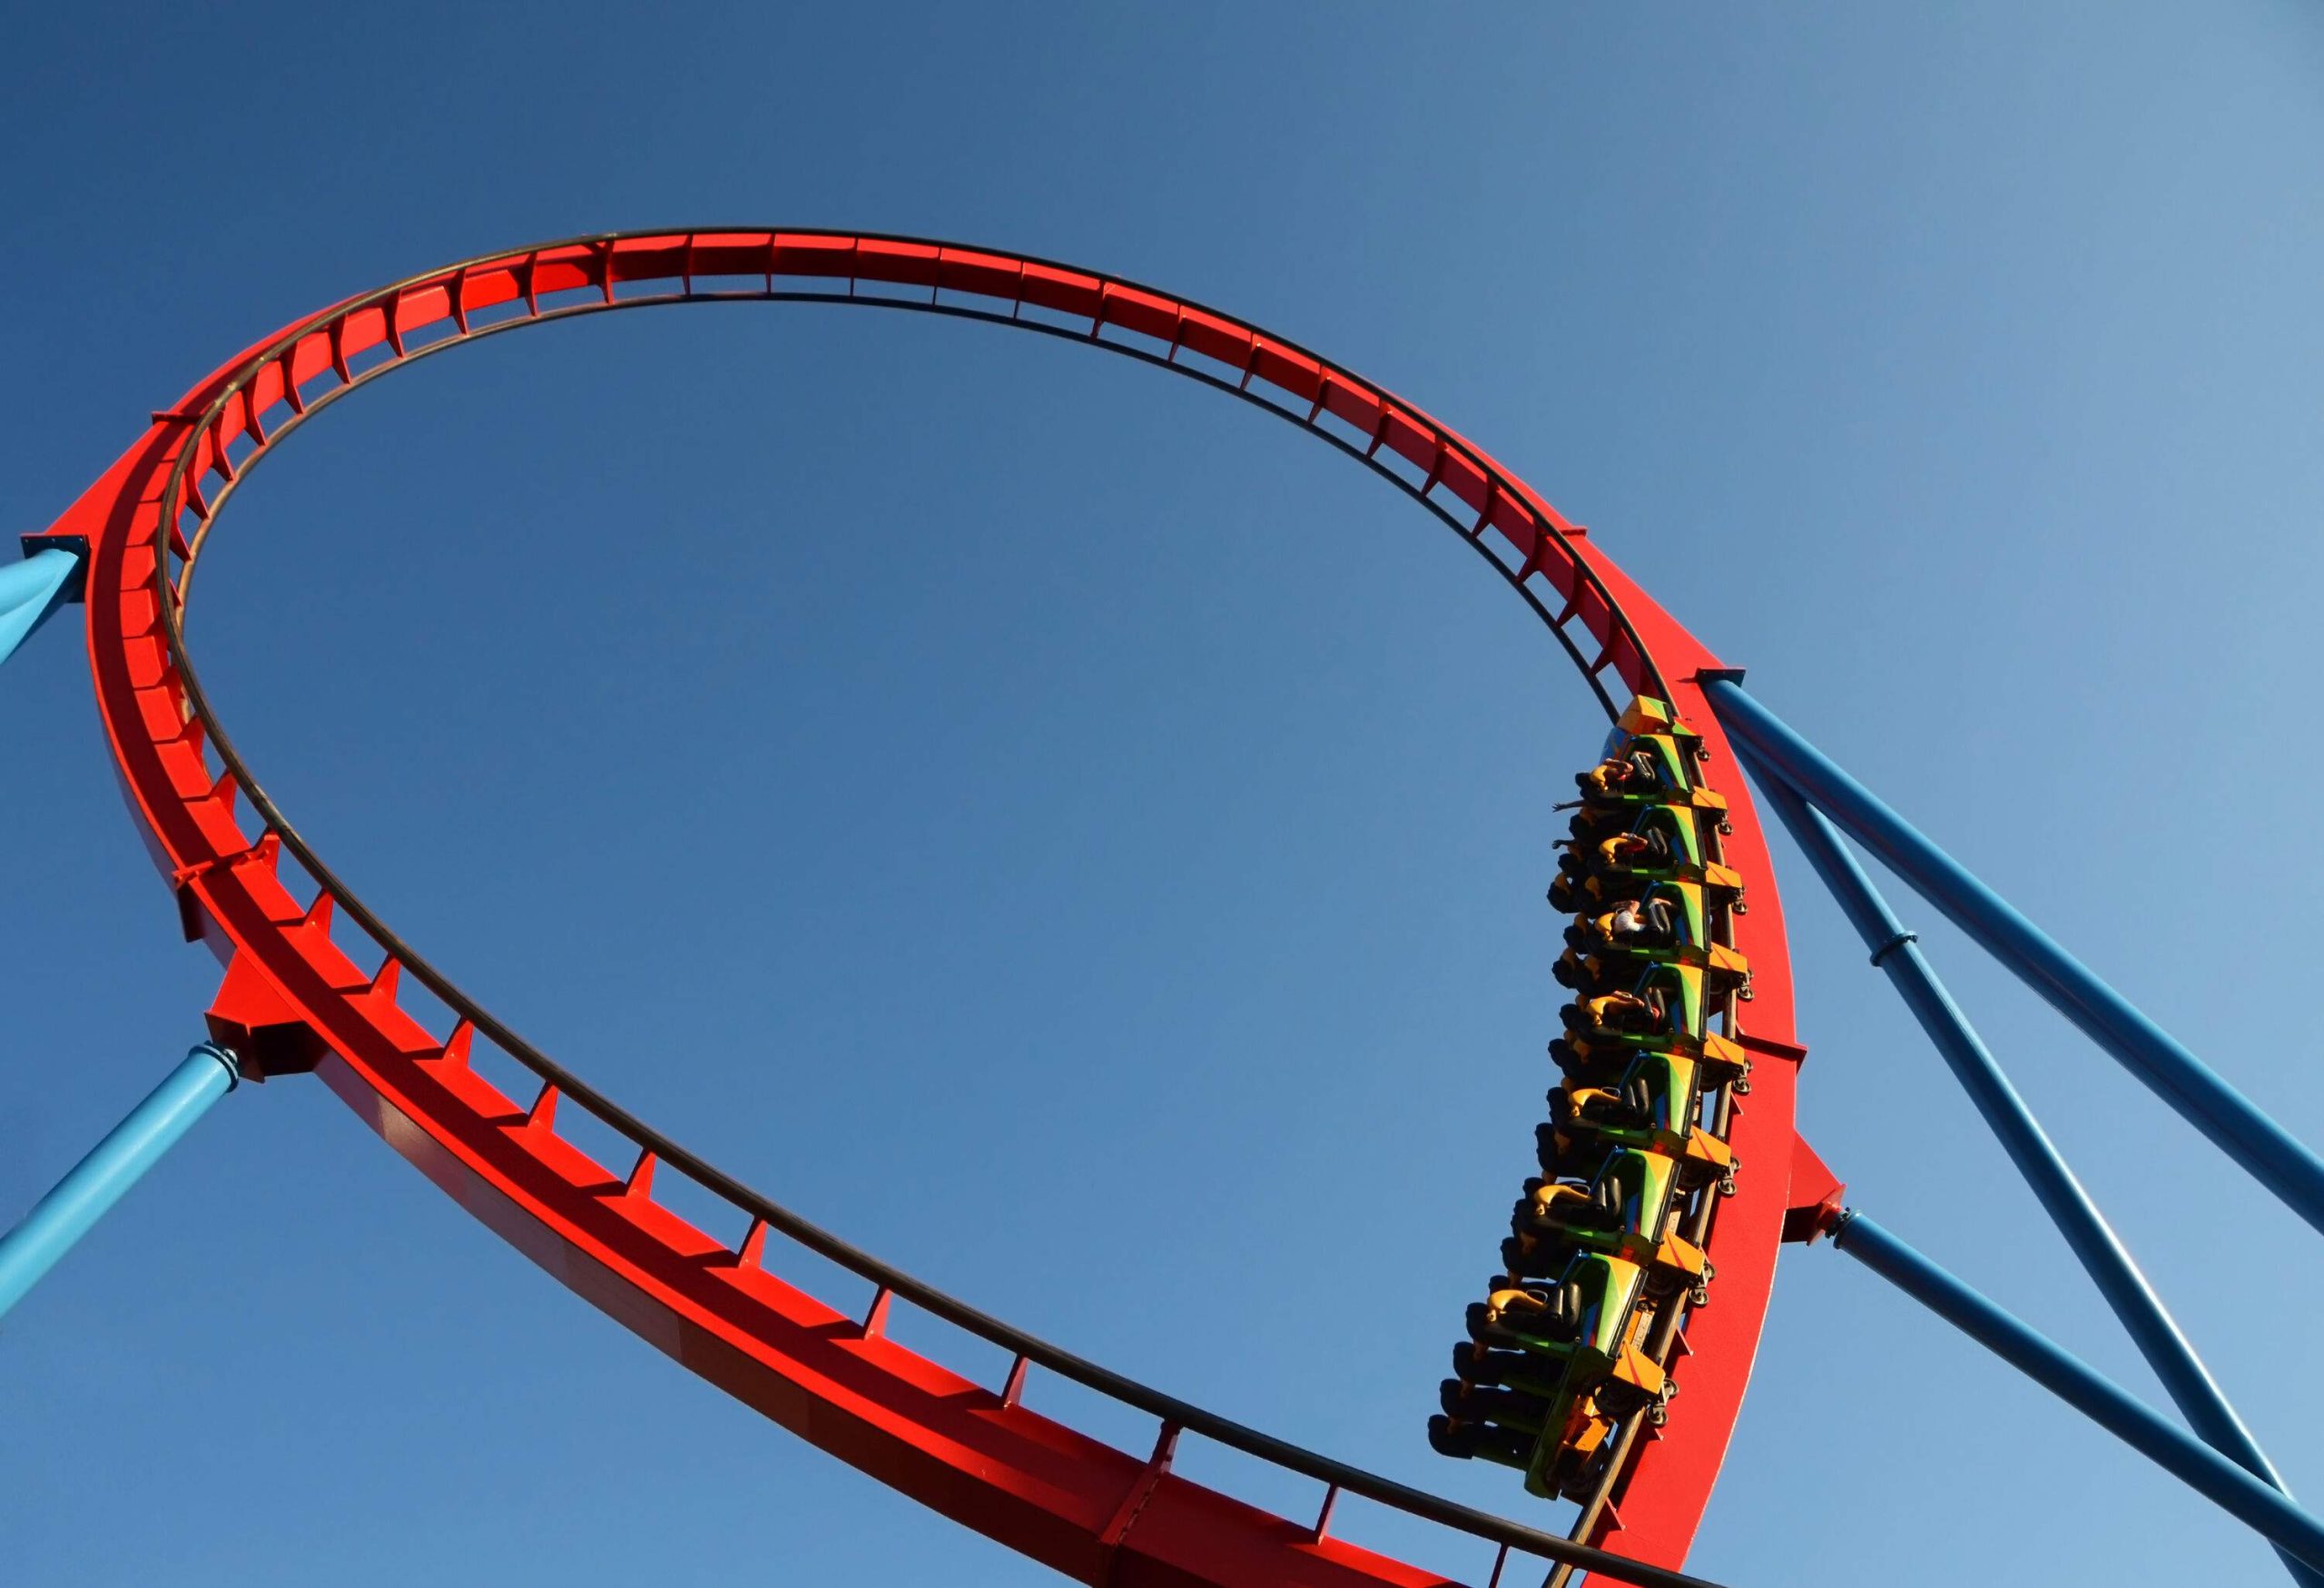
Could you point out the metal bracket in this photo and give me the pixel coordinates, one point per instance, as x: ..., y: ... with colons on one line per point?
x: 1893, y: 944
x: 76, y: 590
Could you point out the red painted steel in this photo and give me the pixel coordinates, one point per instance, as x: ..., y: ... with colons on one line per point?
x: 292, y: 998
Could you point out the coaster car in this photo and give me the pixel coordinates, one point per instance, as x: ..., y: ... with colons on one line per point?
x: 1669, y: 924
x: 1636, y: 1018
x: 1581, y: 1328
x: 1662, y: 923
x: 1584, y: 1337
x: 1612, y: 970
x: 1549, y: 1224
x: 1601, y: 1037
x: 1568, y: 1464
x: 1564, y: 1460
x: 1594, y: 973
x: 1563, y: 1457
x: 1637, y: 772
x: 1631, y: 1209
x: 1650, y: 769
x: 1663, y: 845
x: 1653, y: 1109
x: 1662, y: 1007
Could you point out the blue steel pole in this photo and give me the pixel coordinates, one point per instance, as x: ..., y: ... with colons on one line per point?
x: 77, y: 1201
x: 2151, y: 1326
x: 2269, y: 1152
x: 32, y: 589
x: 2080, y: 1386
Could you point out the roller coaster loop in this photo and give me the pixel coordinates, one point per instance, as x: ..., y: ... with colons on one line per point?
x: 315, y: 982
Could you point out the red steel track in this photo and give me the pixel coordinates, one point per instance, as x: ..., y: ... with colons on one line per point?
x: 293, y: 998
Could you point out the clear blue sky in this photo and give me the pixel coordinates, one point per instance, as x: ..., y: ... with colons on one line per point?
x: 1121, y: 902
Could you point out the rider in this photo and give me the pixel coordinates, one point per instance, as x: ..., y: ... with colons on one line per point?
x: 1640, y: 923
x: 1630, y: 1013
x: 1632, y: 850
x: 1631, y: 771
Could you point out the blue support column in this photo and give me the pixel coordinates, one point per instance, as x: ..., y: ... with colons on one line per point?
x: 68, y: 1212
x: 2271, y: 1154
x: 2090, y: 1392
x: 2103, y: 1258
x: 32, y: 589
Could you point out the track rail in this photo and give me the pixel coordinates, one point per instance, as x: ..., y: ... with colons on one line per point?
x: 293, y: 998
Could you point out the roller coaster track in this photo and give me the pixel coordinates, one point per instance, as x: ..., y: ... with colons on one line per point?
x: 294, y: 999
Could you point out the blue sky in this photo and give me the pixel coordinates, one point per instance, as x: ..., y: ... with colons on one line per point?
x: 1086, y: 843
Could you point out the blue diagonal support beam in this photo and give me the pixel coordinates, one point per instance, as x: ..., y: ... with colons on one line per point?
x: 71, y: 1209
x: 2085, y: 1389
x: 32, y: 589
x: 2269, y: 1152
x: 2102, y: 1255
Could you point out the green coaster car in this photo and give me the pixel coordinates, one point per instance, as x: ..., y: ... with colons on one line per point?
x: 1568, y: 1464
x: 1656, y: 1108
x: 1662, y: 843
x: 1663, y: 1007
x: 1576, y: 1348
x: 1668, y: 923
x: 1631, y: 1209
x: 1646, y: 769
x: 1663, y: 1010
x: 1650, y: 770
